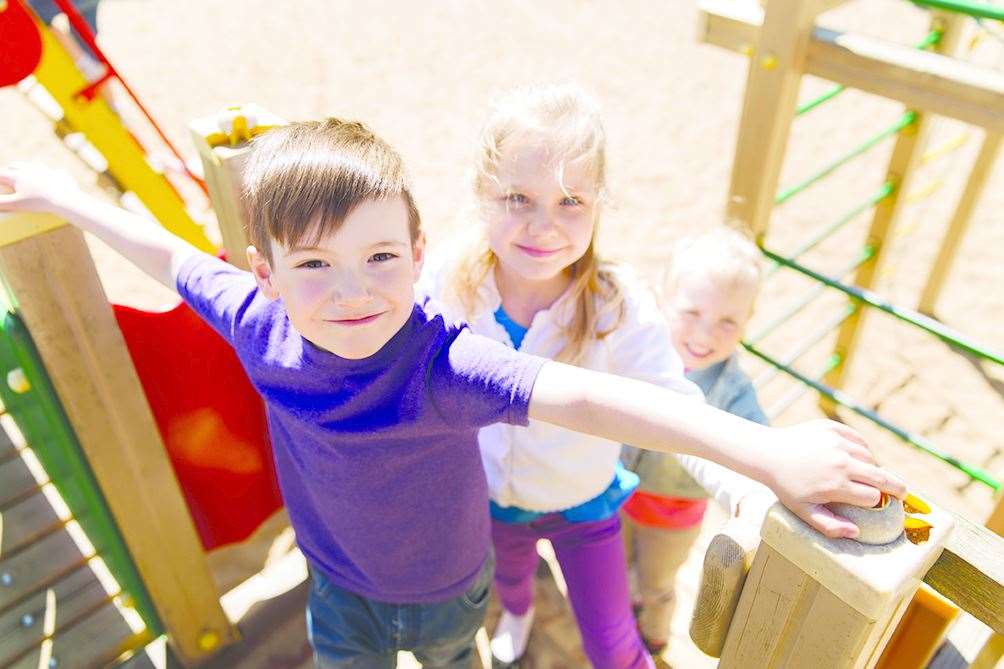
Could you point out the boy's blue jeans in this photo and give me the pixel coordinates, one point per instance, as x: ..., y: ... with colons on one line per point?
x: 352, y: 632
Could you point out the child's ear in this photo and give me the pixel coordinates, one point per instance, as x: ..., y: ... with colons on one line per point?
x: 418, y: 254
x: 262, y: 271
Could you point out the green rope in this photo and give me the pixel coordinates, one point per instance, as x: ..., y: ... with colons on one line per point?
x: 911, y: 438
x: 867, y: 253
x: 946, y: 334
x: 904, y: 121
x: 888, y: 188
x: 804, y: 347
x: 980, y: 10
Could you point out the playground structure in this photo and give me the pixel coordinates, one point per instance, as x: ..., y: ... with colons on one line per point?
x: 108, y: 389
x: 802, y: 597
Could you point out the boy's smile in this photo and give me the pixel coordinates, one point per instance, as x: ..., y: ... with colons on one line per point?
x: 353, y: 289
x: 707, y: 318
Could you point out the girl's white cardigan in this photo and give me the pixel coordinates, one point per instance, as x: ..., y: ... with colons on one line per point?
x: 545, y: 468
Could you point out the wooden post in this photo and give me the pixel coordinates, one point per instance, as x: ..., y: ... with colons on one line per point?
x: 777, y: 63
x: 51, y: 280
x: 906, y: 152
x: 960, y: 222
x: 810, y: 601
x: 224, y: 151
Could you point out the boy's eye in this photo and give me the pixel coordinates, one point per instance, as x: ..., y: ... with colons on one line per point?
x: 728, y: 325
x: 312, y: 264
x: 382, y: 257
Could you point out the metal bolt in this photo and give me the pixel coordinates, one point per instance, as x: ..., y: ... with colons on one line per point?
x: 27, y: 620
x: 17, y: 381
x: 6, y: 578
x: 768, y: 62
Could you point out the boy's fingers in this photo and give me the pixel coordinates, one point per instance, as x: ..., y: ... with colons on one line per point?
x: 877, y: 477
x: 827, y: 522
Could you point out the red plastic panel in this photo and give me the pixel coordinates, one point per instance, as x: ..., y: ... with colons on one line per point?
x: 211, y: 419
x: 22, y: 45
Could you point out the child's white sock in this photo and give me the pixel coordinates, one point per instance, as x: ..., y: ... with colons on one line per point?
x: 511, y: 635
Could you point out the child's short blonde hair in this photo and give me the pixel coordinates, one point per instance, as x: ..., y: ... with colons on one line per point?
x: 303, y: 179
x: 566, y: 121
x: 722, y: 253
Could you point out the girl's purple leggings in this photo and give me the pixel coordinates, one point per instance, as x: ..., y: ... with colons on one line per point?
x: 592, y: 561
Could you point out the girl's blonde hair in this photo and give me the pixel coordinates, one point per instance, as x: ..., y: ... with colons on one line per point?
x: 566, y: 121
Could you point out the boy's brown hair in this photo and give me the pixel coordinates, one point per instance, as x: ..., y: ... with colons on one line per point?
x: 303, y: 179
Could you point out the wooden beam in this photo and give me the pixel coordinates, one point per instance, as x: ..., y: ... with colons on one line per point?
x: 223, y: 166
x: 970, y: 572
x: 920, y: 80
x: 960, y: 222
x: 813, y: 601
x: 777, y: 63
x: 52, y: 282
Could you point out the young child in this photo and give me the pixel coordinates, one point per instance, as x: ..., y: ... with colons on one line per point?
x: 537, y: 284
x: 374, y: 404
x: 709, y: 288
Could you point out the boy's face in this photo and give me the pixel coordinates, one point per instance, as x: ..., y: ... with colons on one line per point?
x: 353, y: 290
x: 707, y: 319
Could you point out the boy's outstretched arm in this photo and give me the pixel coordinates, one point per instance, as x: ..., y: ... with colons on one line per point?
x: 806, y: 465
x: 29, y: 187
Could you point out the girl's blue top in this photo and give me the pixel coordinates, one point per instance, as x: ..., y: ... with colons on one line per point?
x: 601, y: 507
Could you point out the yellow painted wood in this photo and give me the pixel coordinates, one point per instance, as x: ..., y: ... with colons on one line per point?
x: 995, y: 522
x: 15, y: 228
x: 55, y: 286
x: 959, y: 224
x: 920, y: 631
x: 777, y: 62
x: 104, y: 129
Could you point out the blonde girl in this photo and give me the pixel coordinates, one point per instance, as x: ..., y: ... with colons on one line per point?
x: 535, y: 282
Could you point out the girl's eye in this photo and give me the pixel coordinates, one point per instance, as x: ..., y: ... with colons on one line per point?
x: 516, y: 199
x: 382, y: 257
x: 571, y: 202
x: 312, y: 264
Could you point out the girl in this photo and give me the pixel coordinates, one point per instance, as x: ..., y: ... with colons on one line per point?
x: 537, y: 284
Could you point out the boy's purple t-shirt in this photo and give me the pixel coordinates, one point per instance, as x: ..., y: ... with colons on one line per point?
x: 378, y: 458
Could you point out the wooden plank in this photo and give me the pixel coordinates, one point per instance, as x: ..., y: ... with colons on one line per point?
x: 24, y: 626
x: 26, y: 521
x: 59, y: 296
x: 16, y: 481
x: 970, y: 572
x: 777, y: 63
x: 95, y: 641
x: 39, y: 566
x: 920, y: 80
x: 959, y: 224
x: 995, y: 522
x: 223, y: 167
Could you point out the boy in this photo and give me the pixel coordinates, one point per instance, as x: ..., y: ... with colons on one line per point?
x: 374, y: 403
x: 709, y: 289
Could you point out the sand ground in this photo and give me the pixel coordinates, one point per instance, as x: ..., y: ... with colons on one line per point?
x: 423, y: 75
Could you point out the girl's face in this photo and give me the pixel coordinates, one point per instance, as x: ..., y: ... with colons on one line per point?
x: 539, y: 225
x: 707, y: 320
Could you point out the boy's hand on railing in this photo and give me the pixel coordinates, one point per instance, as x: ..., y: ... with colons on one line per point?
x: 34, y: 187
x: 824, y: 461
